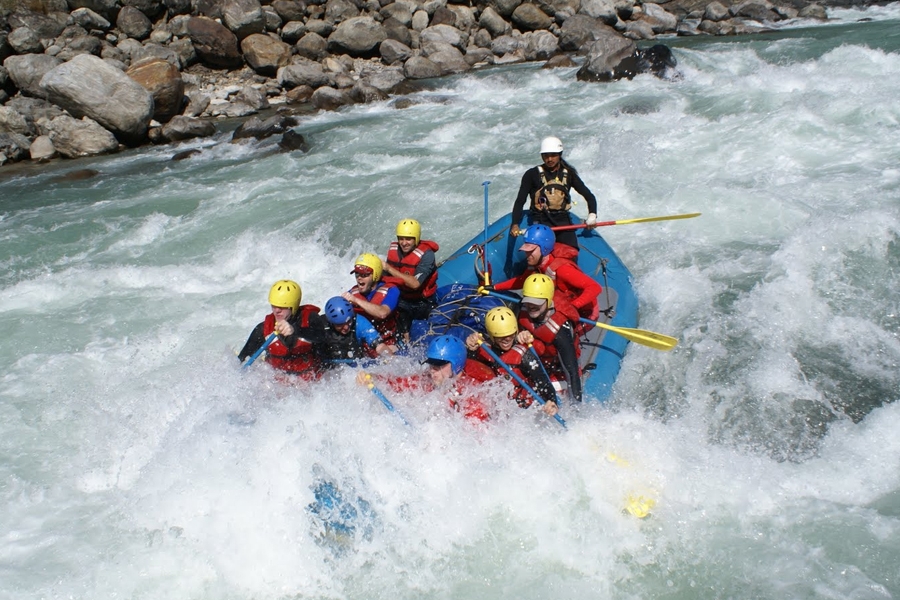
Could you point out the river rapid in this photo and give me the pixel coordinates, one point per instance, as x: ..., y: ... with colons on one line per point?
x: 138, y: 461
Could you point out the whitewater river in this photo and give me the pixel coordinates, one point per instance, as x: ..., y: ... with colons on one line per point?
x: 137, y: 461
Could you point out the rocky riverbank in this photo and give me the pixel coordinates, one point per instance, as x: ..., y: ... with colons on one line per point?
x: 86, y: 77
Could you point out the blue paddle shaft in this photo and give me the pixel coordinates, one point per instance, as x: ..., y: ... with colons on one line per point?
x: 255, y: 355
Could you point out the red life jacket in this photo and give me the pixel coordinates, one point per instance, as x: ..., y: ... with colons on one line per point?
x: 407, y: 265
x: 462, y: 396
x: 545, y: 333
x: 300, y: 358
x: 567, y: 255
x: 387, y: 327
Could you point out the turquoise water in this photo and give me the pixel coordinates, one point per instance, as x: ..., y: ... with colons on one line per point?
x: 137, y: 461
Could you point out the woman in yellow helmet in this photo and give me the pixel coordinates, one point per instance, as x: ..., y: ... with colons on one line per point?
x: 547, y: 321
x: 502, y: 327
x: 296, y: 326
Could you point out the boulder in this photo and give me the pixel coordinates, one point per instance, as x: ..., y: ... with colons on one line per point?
x: 603, y: 56
x: 393, y: 51
x: 44, y: 25
x: 13, y: 146
x: 291, y: 140
x: 265, y: 53
x: 659, y: 19
x: 42, y: 148
x: 184, y: 128
x: 419, y: 67
x: 329, y: 98
x: 24, y: 41
x: 450, y: 60
x: 163, y: 80
x: 290, y: 10
x: 358, y: 36
x: 73, y: 138
x: 540, y: 45
x: 84, y: 87
x: 151, y: 8
x: 504, y: 8
x: 214, y: 43
x: 105, y: 8
x: 12, y: 121
x: 303, y: 72
x: 243, y: 17
x: 493, y: 22
x: 133, y: 23
x: 445, y: 34
x: 312, y: 46
x: 580, y: 31
x: 529, y: 17
x: 27, y: 70
x: 605, y: 10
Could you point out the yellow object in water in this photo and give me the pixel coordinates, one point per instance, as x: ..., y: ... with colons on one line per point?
x: 639, y: 506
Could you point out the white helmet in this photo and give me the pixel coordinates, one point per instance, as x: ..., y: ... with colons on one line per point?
x: 551, y: 145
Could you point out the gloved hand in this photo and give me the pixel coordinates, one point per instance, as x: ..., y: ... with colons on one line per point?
x: 592, y: 219
x: 485, y: 290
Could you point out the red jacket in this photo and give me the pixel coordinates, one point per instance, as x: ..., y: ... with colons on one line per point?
x: 387, y: 326
x: 580, y: 290
x: 463, y: 394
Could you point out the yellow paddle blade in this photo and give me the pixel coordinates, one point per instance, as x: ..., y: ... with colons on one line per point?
x: 651, y: 339
x: 639, y: 506
x: 668, y: 218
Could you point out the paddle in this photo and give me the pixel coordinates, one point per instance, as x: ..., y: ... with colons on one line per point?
x: 651, y: 339
x: 520, y: 381
x: 626, y: 222
x: 487, y: 271
x: 383, y: 398
x: 255, y: 355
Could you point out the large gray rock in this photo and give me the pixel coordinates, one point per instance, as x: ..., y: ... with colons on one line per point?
x: 44, y: 25
x: 42, y: 148
x: 184, y: 128
x: 163, y: 80
x: 504, y: 8
x: 87, y: 86
x: 303, y: 72
x: 243, y: 17
x: 540, y: 45
x: 359, y: 36
x: 26, y: 72
x: 393, y: 51
x: 11, y: 121
x: 73, y: 138
x: 151, y: 8
x: 419, y: 67
x: 106, y: 8
x: 133, y: 23
x: 290, y: 10
x: 329, y: 98
x: 603, y: 57
x: 450, y: 60
x: 446, y: 34
x: 214, y: 43
x: 493, y: 22
x: 13, y: 146
x: 24, y: 41
x: 312, y: 46
x: 605, y: 10
x: 580, y: 31
x: 659, y: 19
x: 531, y: 18
x: 265, y: 53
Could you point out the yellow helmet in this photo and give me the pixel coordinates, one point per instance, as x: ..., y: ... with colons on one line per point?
x: 286, y: 294
x: 370, y: 264
x: 539, y: 286
x: 409, y: 228
x: 500, y: 322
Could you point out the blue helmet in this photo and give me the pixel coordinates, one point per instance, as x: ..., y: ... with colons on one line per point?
x: 338, y: 311
x: 449, y: 348
x: 542, y: 237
